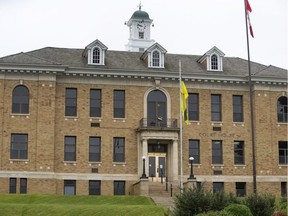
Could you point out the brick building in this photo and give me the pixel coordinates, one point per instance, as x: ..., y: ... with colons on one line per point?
x: 83, y: 121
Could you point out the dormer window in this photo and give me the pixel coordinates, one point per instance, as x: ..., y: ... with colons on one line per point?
x: 213, y: 59
x: 154, y: 56
x: 95, y: 53
x: 214, y: 62
x: 96, y: 56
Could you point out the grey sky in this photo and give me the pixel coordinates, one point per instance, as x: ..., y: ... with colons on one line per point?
x: 182, y: 27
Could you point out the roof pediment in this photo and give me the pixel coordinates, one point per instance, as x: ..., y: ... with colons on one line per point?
x: 95, y: 43
x: 213, y: 50
x: 152, y: 48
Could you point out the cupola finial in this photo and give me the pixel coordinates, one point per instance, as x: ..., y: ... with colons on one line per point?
x: 139, y: 6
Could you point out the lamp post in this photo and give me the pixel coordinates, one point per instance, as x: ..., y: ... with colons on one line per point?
x: 144, y: 172
x: 161, y: 173
x: 191, y: 168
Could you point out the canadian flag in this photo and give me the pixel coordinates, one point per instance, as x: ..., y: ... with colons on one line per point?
x: 248, y: 11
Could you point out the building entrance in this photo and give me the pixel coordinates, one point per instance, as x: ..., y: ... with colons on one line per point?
x: 157, y: 167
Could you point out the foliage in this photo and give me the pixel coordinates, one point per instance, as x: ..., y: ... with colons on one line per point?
x: 197, y: 200
x: 260, y: 204
x: 238, y: 210
x: 59, y: 205
x: 214, y: 213
x: 281, y: 205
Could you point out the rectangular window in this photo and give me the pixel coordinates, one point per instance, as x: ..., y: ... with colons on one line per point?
x: 69, y: 187
x: 119, y: 187
x: 119, y: 104
x: 19, y: 146
x: 239, y: 152
x: 71, y: 102
x: 70, y: 148
x: 141, y: 35
x: 283, y: 152
x: 240, y: 188
x: 94, y: 149
x: 94, y: 187
x: 23, y: 185
x: 284, y: 189
x: 216, y: 107
x: 194, y: 151
x: 119, y: 149
x: 218, y: 187
x: 193, y: 107
x: 217, y: 155
x: 238, y: 108
x: 12, y: 185
x: 95, y: 102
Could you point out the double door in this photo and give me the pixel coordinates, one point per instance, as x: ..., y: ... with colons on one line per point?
x: 157, y: 167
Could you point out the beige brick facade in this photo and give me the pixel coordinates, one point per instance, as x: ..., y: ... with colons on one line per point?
x: 47, y: 125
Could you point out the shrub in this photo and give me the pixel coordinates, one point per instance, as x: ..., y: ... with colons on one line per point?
x: 194, y: 201
x: 220, y: 200
x: 238, y: 210
x: 260, y: 205
x: 214, y: 213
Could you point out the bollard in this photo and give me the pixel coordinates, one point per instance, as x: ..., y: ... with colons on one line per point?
x: 171, y: 190
x: 166, y: 185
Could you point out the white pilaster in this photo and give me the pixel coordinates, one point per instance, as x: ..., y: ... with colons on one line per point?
x: 175, y: 160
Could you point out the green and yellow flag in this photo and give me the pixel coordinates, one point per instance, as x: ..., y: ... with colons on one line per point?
x: 184, y: 94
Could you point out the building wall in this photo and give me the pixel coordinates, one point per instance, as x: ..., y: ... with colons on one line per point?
x: 47, y: 126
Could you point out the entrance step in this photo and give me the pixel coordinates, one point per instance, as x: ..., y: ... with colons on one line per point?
x: 158, y: 193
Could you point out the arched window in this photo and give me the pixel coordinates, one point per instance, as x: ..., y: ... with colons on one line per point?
x: 214, y: 62
x: 96, y: 56
x: 157, y: 108
x: 20, y: 100
x: 282, y: 109
x: 156, y: 59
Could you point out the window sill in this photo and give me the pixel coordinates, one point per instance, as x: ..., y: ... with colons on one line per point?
x: 70, y: 117
x: 95, y: 118
x: 119, y: 119
x: 216, y: 123
x: 217, y: 166
x: 90, y: 163
x: 282, y: 123
x: 282, y: 165
x: 238, y: 123
x: 119, y: 164
x: 27, y: 115
x: 18, y: 161
x: 236, y: 166
x: 70, y: 162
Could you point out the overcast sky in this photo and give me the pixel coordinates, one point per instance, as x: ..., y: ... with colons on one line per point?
x: 182, y: 26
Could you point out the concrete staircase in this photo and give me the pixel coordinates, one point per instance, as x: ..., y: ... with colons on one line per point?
x: 158, y: 193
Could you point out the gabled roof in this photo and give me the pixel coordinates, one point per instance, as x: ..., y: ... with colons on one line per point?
x: 211, y: 52
x: 26, y: 58
x: 93, y: 44
x: 125, y: 61
x: 151, y: 48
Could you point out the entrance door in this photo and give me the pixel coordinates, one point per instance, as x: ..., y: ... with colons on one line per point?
x: 157, y: 167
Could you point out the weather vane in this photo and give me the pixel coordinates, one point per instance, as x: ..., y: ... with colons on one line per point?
x: 139, y: 6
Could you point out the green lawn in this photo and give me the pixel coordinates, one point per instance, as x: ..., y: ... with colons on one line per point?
x: 59, y: 205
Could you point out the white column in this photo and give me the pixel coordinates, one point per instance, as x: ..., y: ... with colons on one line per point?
x: 175, y: 160
x: 145, y: 153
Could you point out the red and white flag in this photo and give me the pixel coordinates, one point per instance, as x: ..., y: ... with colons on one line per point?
x: 248, y: 11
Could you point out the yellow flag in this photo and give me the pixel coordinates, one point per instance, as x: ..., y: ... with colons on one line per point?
x: 184, y: 97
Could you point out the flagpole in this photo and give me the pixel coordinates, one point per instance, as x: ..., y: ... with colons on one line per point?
x: 181, y: 127
x: 251, y: 104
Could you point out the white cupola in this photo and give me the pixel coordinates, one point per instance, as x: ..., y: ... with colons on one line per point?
x: 139, y: 31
